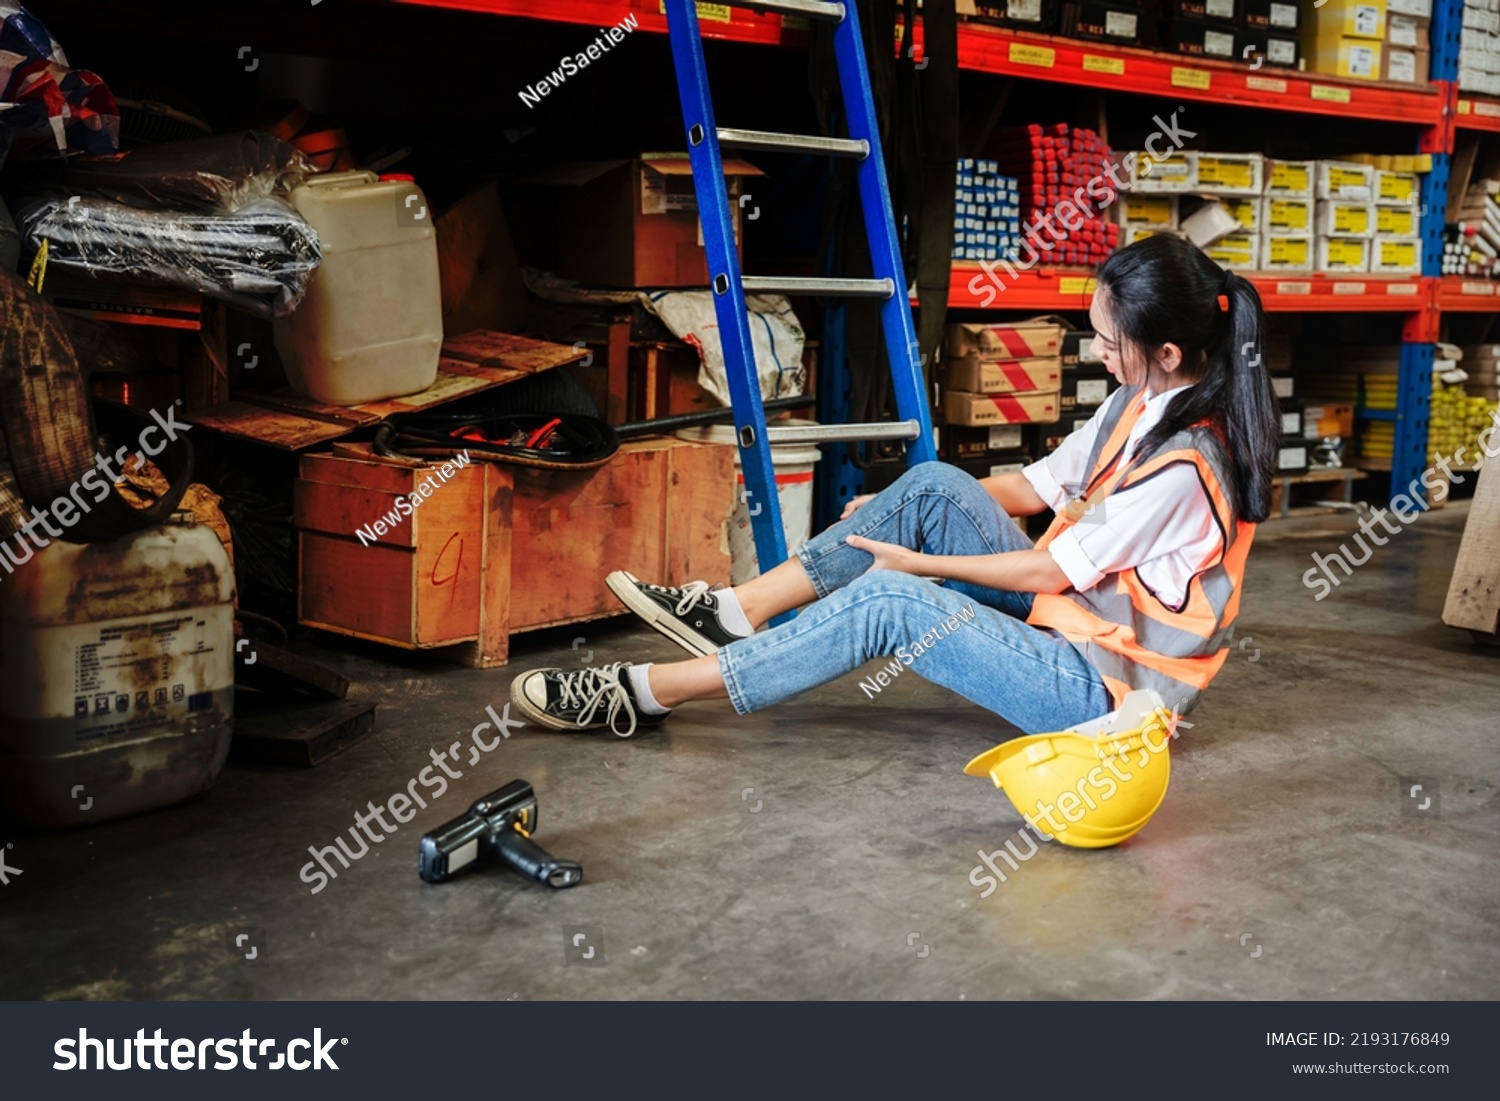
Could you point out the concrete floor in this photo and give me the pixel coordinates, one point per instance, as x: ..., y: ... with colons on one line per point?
x: 824, y: 849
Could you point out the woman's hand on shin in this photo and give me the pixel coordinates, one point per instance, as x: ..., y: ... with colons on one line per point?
x: 888, y: 556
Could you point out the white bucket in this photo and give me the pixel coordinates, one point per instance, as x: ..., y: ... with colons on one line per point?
x: 793, y: 464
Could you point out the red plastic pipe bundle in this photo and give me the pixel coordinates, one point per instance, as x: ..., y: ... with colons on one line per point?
x: 1063, y: 184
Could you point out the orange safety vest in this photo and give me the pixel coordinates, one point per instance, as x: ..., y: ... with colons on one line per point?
x: 1122, y: 628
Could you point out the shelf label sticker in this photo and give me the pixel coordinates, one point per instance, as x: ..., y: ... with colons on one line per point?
x: 1478, y: 288
x: 1464, y: 107
x: 1490, y: 109
x: 1401, y: 288
x: 1265, y: 84
x: 713, y: 13
x: 1294, y: 288
x: 1348, y: 288
x: 1070, y: 285
x: 1093, y: 63
x: 1044, y: 57
x: 1329, y: 94
x: 1191, y: 78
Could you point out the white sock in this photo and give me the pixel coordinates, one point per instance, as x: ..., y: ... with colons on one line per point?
x: 731, y: 615
x: 641, y: 686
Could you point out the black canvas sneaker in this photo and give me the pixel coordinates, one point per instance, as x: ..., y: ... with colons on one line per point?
x: 689, y: 616
x: 581, y: 699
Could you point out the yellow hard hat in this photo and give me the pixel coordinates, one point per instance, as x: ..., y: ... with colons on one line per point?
x: 1094, y: 785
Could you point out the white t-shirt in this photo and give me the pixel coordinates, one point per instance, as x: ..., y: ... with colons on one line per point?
x: 1164, y: 528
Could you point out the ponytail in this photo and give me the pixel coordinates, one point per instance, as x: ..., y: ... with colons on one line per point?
x: 1164, y: 290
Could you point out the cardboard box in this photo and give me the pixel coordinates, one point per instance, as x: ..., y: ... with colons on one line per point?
x: 960, y: 442
x: 1287, y: 252
x: 1238, y: 251
x: 1341, y: 218
x: 1076, y: 350
x: 1393, y: 256
x: 1004, y: 376
x: 1176, y: 173
x: 1092, y: 21
x: 634, y: 223
x: 1247, y: 212
x: 1357, y: 58
x: 1031, y: 339
x: 1337, y: 254
x: 1083, y: 391
x: 993, y: 466
x: 1344, y: 180
x: 1407, y: 32
x: 963, y: 408
x: 1282, y: 50
x: 1397, y: 187
x: 1291, y: 457
x: 1397, y: 221
x: 1321, y: 419
x: 1405, y: 66
x: 1208, y: 223
x: 1261, y: 15
x: 1211, y: 11
x: 1347, y: 19
x: 1231, y: 173
x: 1131, y: 234
x: 1149, y: 211
x: 1195, y: 39
x: 1290, y: 179
x: 1287, y: 215
x: 1036, y: 15
x: 1291, y: 419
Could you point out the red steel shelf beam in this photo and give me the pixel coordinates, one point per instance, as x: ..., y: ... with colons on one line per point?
x: 1456, y: 293
x: 1281, y: 292
x: 1043, y: 57
x: 715, y: 21
x: 1121, y: 69
x: 1477, y: 114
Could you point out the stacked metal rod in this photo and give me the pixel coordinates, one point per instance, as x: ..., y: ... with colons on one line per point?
x: 1063, y: 189
x: 1472, y: 244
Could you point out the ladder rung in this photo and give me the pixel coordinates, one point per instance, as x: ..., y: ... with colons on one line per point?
x: 834, y: 433
x: 813, y: 9
x: 848, y: 288
x: 764, y: 139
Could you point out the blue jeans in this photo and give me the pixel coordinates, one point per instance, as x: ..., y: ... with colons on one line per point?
x: 965, y: 637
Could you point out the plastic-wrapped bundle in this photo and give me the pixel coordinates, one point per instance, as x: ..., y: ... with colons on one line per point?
x: 221, y: 173
x: 258, y: 258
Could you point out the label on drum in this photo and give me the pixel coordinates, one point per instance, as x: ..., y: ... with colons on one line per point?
x: 121, y: 679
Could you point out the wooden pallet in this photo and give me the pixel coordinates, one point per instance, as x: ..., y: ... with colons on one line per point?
x: 1281, y: 491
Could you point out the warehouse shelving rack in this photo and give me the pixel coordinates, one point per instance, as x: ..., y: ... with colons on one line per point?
x: 1436, y: 109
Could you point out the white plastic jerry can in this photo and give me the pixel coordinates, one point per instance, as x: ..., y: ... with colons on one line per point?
x: 370, y: 326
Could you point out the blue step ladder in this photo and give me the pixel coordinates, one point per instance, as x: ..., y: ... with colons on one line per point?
x: 705, y: 140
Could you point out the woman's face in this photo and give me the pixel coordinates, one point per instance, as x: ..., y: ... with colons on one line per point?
x: 1106, y: 344
x: 1128, y: 363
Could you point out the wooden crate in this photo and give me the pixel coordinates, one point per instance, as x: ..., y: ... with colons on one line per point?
x: 509, y: 549
x: 415, y: 583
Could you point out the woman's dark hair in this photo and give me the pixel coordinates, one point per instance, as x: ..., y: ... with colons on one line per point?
x: 1163, y: 290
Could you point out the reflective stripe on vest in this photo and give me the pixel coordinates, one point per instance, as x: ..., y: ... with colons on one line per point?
x: 1120, y: 626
